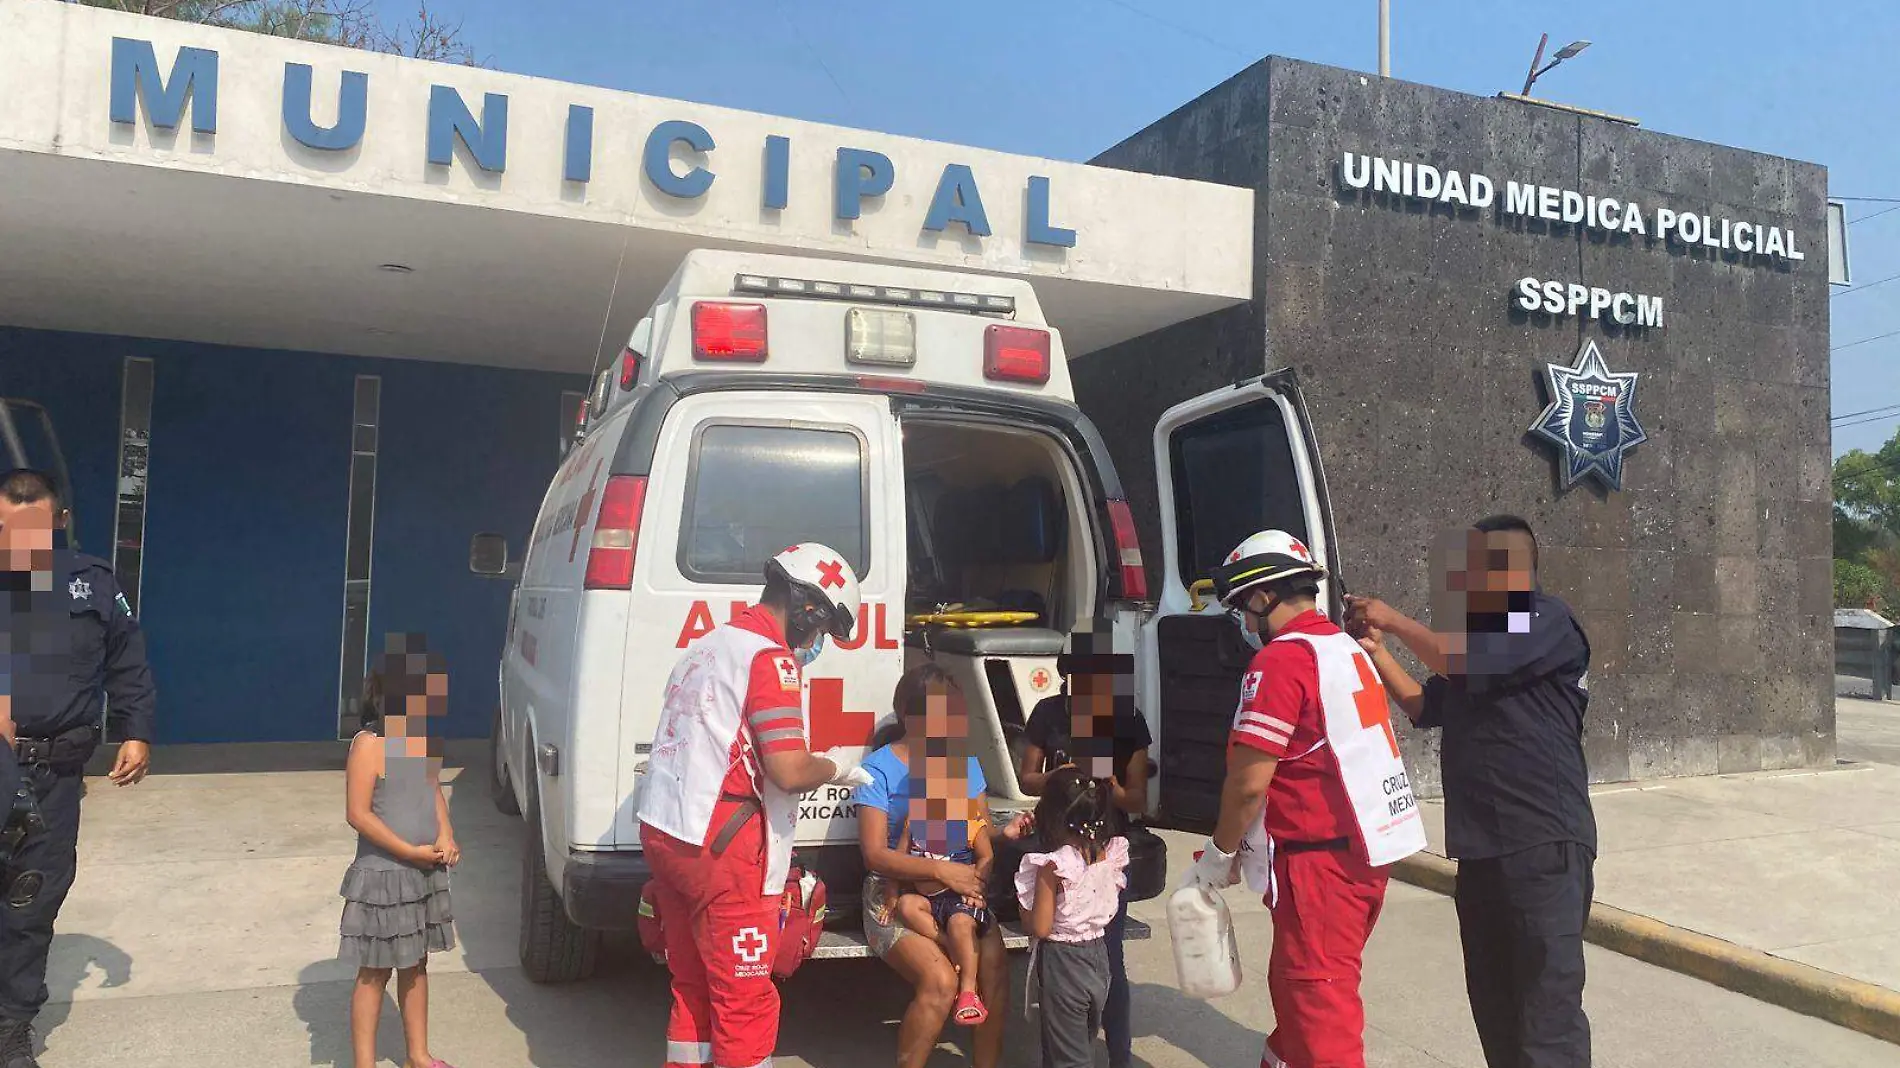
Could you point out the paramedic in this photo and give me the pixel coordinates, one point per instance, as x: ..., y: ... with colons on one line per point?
x: 1508, y: 689
x: 1312, y: 741
x: 720, y: 801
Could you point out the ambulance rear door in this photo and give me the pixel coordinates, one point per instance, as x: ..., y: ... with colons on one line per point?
x: 739, y: 475
x: 1228, y: 463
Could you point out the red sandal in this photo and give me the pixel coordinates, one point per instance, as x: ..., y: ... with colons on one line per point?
x: 970, y: 1011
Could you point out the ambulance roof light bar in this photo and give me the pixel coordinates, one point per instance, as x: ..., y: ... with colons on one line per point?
x: 759, y: 285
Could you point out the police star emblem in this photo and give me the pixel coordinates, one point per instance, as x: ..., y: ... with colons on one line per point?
x: 79, y: 589
x: 1591, y: 418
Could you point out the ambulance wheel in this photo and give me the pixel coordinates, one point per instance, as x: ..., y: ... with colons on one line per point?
x: 499, y: 787
x: 554, y: 949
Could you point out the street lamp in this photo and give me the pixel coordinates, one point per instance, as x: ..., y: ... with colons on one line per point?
x: 1566, y: 52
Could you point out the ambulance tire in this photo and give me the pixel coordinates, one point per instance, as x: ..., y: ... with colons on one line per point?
x: 553, y: 949
x: 499, y: 788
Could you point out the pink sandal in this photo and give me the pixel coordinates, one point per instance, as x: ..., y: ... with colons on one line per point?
x: 970, y: 1011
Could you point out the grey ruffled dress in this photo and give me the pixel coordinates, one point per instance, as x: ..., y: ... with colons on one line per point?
x: 394, y: 913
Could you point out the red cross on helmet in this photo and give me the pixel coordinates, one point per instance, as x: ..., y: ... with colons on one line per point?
x: 1262, y: 558
x: 822, y: 574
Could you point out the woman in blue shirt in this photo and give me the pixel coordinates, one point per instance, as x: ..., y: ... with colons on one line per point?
x: 928, y: 706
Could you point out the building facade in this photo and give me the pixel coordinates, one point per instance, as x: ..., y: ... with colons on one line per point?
x: 1705, y: 581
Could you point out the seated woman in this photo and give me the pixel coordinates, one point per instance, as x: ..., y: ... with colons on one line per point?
x: 928, y: 705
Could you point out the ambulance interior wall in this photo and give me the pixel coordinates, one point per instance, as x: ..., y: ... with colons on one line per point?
x: 1705, y: 584
x: 247, y: 501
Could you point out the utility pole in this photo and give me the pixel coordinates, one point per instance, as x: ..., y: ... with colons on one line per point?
x: 1385, y: 38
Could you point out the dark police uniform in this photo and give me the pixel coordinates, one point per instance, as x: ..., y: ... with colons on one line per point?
x: 1519, y: 823
x: 65, y: 645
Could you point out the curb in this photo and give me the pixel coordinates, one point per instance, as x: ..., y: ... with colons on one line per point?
x: 1850, y: 1003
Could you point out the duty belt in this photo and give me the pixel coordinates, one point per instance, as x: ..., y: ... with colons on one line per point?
x: 33, y: 750
x: 748, y: 807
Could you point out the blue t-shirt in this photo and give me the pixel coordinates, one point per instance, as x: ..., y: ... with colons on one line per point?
x: 890, y: 788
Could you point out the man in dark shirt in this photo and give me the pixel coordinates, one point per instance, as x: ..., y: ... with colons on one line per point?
x: 1093, y: 725
x: 67, y: 638
x: 1508, y: 690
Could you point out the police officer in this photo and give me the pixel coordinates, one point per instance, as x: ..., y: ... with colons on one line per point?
x: 1508, y: 689
x: 68, y: 636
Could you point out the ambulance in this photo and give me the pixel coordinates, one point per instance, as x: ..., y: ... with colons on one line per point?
x: 922, y: 423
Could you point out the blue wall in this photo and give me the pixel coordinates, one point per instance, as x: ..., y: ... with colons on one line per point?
x: 246, y: 509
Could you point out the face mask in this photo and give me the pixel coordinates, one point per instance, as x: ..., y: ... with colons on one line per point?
x: 805, y: 654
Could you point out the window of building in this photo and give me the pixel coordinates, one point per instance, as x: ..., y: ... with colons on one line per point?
x: 754, y: 490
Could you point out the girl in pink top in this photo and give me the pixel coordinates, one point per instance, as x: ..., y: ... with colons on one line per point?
x: 1068, y: 897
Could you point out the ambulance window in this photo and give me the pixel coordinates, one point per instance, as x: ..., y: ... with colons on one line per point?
x: 753, y: 490
x: 1233, y: 475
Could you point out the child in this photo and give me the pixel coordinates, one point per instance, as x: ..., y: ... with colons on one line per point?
x: 946, y: 823
x: 396, y: 895
x: 1068, y: 898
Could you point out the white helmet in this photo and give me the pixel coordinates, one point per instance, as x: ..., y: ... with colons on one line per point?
x: 1262, y: 558
x: 821, y: 573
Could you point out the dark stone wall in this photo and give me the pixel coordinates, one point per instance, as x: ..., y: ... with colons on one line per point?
x: 1705, y: 585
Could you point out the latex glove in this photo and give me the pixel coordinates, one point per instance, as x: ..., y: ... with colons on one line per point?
x: 848, y: 774
x: 1213, y: 869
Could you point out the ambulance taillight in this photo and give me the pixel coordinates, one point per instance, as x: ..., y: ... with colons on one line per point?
x: 610, y: 556
x: 728, y: 333
x: 629, y: 368
x: 1128, y: 548
x: 1016, y: 354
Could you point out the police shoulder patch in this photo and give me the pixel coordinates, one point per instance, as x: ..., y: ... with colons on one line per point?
x: 1250, y: 687
x: 124, y: 605
x: 787, y: 672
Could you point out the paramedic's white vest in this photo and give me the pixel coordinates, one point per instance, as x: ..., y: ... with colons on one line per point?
x: 703, y: 713
x: 1386, y: 813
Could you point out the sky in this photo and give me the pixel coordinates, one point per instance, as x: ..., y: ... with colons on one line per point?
x: 1066, y: 79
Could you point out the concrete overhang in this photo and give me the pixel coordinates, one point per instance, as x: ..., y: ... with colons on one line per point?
x: 249, y: 236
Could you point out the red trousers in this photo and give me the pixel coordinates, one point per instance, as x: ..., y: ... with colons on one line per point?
x: 1329, y: 902
x: 720, y: 938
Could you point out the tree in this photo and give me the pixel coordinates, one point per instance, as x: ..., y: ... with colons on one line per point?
x: 350, y: 23
x: 1867, y: 527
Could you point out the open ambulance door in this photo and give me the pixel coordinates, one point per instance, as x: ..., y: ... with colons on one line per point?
x: 1228, y: 463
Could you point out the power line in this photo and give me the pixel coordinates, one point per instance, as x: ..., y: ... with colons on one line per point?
x: 1869, y: 419
x: 1868, y: 411
x: 1871, y: 200
x: 1874, y: 215
x: 1178, y: 28
x: 1865, y: 340
x: 1856, y: 289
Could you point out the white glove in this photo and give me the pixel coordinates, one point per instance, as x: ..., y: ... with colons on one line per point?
x: 848, y: 773
x: 1213, y: 869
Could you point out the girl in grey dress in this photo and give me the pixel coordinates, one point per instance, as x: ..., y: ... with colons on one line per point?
x: 396, y: 894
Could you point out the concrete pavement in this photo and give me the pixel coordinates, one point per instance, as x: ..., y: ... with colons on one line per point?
x: 204, y: 922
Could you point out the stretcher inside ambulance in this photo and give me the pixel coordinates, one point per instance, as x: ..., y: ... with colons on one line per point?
x: 920, y: 422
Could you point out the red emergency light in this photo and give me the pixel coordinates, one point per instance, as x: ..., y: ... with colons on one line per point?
x: 1016, y: 354
x: 1128, y: 548
x: 610, y: 556
x: 732, y: 333
x: 629, y: 368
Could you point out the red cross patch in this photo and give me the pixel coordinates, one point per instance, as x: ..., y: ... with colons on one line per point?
x: 1300, y: 551
x: 831, y: 573
x: 787, y: 672
x: 1039, y: 679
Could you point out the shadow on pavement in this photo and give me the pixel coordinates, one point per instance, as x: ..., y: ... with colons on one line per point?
x: 1194, y: 1026
x: 73, y: 957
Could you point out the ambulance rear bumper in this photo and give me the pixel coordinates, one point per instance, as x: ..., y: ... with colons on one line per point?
x: 601, y: 891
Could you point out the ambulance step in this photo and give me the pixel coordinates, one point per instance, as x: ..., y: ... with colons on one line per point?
x: 849, y: 942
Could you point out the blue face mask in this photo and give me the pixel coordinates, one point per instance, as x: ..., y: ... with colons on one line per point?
x: 806, y: 654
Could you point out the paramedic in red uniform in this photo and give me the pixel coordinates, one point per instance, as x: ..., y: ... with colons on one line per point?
x: 1311, y: 741
x: 719, y: 803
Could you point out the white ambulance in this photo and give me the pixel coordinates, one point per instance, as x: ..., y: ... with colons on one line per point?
x: 922, y: 423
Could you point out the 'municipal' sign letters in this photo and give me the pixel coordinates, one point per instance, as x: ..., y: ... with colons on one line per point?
x: 859, y: 173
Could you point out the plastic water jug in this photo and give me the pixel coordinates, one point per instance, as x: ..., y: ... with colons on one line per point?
x: 1206, y: 953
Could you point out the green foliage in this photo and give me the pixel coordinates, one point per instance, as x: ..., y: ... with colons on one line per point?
x: 350, y: 23
x: 1867, y: 528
